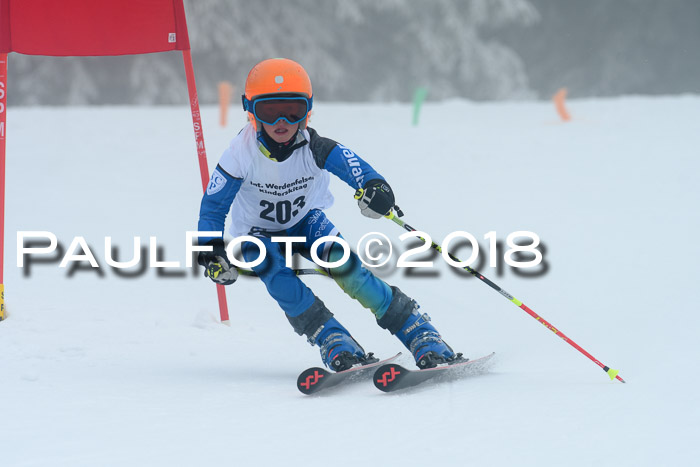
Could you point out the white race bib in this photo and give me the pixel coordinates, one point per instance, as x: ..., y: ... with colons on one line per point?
x: 273, y: 195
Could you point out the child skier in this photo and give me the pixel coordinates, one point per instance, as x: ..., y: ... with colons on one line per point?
x: 274, y: 178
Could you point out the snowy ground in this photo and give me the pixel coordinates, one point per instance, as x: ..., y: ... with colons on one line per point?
x: 112, y: 371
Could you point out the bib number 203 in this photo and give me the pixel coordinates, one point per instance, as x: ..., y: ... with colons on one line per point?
x: 281, y: 211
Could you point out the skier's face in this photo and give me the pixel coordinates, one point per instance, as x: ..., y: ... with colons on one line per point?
x: 281, y: 132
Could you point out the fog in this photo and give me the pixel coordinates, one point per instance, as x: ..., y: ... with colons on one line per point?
x: 368, y: 51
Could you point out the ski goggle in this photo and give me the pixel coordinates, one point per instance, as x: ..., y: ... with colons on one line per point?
x: 271, y: 110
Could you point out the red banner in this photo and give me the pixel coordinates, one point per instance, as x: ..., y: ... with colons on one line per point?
x: 92, y: 27
x: 95, y: 28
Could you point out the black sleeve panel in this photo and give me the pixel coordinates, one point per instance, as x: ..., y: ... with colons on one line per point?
x: 320, y: 147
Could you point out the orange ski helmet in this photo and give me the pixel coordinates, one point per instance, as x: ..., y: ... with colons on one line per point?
x: 276, y: 76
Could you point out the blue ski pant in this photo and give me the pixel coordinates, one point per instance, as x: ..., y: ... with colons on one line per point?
x: 292, y: 295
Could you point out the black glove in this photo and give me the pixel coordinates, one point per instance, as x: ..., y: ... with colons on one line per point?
x: 217, y: 267
x: 377, y: 199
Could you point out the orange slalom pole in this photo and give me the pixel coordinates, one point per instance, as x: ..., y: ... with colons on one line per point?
x: 560, y: 104
x: 225, y: 93
x: 202, y: 157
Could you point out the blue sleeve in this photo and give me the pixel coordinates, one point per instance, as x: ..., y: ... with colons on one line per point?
x: 349, y: 167
x: 216, y: 202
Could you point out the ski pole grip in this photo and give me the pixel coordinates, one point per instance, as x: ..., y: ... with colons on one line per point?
x: 360, y: 191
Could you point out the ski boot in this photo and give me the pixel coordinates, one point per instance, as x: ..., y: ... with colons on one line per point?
x: 414, y: 330
x: 339, y: 351
x: 425, y: 343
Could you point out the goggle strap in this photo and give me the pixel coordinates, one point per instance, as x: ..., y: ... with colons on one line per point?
x: 247, y: 102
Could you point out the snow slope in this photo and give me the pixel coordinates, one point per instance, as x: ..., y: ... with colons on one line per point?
x: 112, y: 371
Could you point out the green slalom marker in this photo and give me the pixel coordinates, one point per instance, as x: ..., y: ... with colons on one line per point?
x: 418, y: 97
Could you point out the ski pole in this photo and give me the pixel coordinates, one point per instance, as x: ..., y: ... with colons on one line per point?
x: 613, y: 374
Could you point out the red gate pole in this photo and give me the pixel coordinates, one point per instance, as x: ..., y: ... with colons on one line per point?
x: 3, y: 120
x: 202, y: 156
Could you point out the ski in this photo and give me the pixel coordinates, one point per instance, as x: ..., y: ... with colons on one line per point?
x: 392, y: 377
x: 315, y: 379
